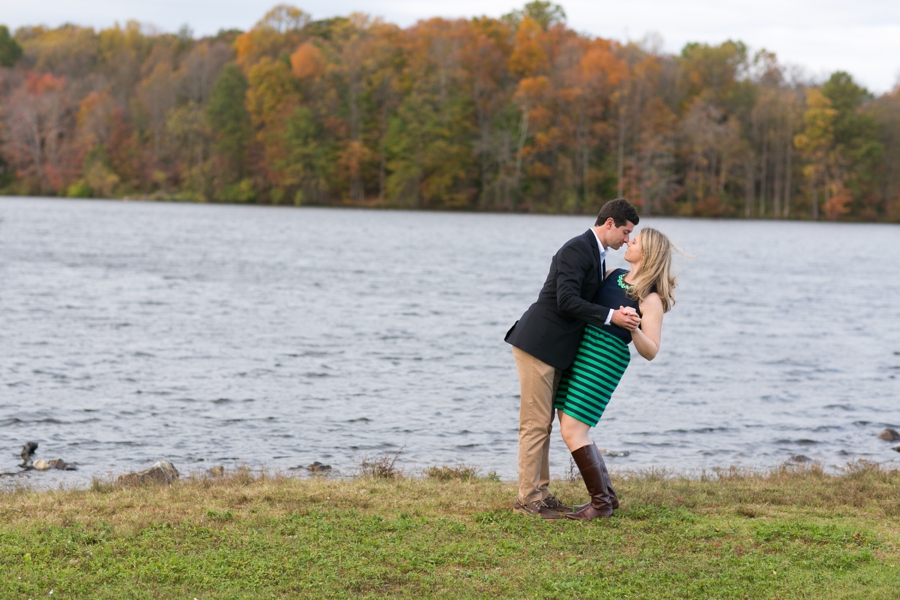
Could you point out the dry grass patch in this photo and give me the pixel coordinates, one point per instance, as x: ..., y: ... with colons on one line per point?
x: 733, y: 534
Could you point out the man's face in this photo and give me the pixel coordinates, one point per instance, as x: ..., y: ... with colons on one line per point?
x: 618, y: 235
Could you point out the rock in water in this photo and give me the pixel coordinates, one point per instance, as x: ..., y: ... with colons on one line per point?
x: 161, y: 472
x: 58, y: 463
x: 41, y: 464
x: 897, y: 448
x: 318, y: 468
x: 889, y: 435
x: 27, y: 452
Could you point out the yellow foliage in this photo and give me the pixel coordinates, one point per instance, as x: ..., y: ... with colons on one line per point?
x: 243, y: 49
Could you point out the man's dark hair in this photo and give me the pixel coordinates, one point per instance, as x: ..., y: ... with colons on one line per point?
x: 620, y: 211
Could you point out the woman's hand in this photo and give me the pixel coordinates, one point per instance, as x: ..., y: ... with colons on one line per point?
x: 647, y: 338
x: 626, y: 318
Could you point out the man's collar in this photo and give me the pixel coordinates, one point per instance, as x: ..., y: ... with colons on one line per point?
x: 599, y: 243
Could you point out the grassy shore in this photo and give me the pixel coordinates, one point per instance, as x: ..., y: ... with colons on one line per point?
x: 789, y: 533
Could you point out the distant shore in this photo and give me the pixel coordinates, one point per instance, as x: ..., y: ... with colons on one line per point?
x: 374, y: 205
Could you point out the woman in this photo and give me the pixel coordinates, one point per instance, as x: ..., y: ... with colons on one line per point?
x: 586, y: 386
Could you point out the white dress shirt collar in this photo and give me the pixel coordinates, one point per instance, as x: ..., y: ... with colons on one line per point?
x: 599, y: 245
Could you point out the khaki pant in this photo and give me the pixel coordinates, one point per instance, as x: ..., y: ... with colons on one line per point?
x: 538, y: 382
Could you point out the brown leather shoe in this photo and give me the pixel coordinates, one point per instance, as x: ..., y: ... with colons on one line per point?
x: 537, y: 509
x: 592, y: 469
x: 553, y: 503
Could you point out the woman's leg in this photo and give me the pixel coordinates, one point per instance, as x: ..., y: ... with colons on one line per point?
x: 574, y: 432
x: 592, y: 468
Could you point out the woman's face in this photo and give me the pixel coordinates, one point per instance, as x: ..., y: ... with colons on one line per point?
x: 634, y: 253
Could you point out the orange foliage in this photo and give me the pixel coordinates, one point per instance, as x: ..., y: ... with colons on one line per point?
x: 307, y: 61
x: 39, y: 84
x: 94, y: 120
x: 837, y: 205
x: 599, y: 61
x: 532, y: 90
x: 528, y: 56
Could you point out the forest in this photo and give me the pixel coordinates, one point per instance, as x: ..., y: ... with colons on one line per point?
x: 519, y: 113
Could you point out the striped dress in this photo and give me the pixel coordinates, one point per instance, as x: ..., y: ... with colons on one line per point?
x: 586, y: 387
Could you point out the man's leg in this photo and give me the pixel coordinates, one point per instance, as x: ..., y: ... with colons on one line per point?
x: 545, y: 455
x: 537, y: 381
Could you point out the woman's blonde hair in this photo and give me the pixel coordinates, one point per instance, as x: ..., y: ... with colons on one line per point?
x: 655, y: 274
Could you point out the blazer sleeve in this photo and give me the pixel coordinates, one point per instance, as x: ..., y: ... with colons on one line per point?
x: 572, y: 265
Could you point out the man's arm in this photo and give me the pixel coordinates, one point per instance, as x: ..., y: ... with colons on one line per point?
x: 571, y: 266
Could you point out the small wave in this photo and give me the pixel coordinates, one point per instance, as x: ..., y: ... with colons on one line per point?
x: 827, y: 428
x: 703, y: 430
x: 800, y: 442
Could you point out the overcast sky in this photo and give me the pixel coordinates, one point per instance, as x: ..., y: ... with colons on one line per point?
x: 861, y: 37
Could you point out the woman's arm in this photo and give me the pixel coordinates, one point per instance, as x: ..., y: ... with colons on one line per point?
x: 646, y: 339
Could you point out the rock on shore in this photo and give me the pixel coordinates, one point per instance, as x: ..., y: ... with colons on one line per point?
x: 57, y: 463
x: 161, y: 472
x: 889, y: 435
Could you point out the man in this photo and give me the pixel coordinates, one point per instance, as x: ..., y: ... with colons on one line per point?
x: 546, y: 339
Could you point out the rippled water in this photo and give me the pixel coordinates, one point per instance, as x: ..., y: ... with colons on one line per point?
x: 133, y: 332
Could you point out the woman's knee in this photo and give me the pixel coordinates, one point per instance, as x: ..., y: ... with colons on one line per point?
x: 573, y: 431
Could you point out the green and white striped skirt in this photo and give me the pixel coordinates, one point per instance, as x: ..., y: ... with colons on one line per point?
x: 587, y: 385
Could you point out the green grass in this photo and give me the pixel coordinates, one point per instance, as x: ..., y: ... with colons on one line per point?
x: 784, y: 534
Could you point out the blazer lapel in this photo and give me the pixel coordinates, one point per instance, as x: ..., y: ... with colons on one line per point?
x: 592, y: 239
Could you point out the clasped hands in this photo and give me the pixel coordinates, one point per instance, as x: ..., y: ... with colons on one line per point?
x: 626, y: 318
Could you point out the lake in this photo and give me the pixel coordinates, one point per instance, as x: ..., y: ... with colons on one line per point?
x: 132, y: 332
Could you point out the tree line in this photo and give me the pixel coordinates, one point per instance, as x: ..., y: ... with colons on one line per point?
x: 520, y: 113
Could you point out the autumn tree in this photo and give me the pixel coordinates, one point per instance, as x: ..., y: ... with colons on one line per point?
x: 857, y: 148
x: 816, y: 144
x: 36, y: 144
x: 521, y: 112
x: 229, y: 119
x: 886, y: 113
x: 10, y: 50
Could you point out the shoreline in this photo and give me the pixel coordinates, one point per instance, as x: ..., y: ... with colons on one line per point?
x: 375, y: 207
x: 385, y: 467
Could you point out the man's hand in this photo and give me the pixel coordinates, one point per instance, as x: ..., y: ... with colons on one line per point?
x: 626, y: 318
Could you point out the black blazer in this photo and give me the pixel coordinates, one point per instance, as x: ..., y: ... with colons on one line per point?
x: 551, y: 328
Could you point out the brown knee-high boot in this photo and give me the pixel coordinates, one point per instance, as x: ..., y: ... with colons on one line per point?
x: 596, y: 480
x: 614, y: 500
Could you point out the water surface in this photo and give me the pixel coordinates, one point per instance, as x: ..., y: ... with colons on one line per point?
x: 203, y: 334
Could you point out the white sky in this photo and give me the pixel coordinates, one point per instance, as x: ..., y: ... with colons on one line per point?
x: 821, y: 36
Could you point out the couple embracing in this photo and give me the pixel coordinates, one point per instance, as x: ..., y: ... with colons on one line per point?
x: 572, y: 347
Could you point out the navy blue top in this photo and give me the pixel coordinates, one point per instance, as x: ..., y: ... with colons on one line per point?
x: 612, y: 295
